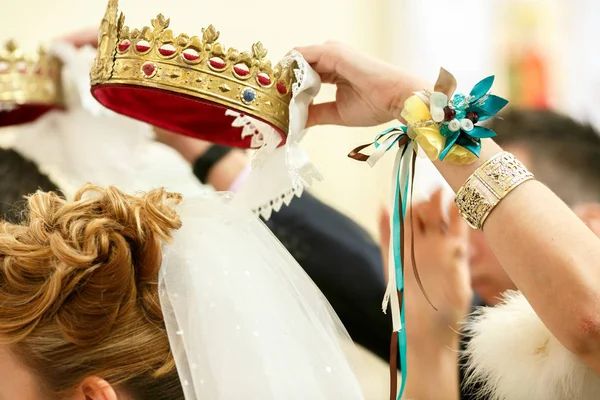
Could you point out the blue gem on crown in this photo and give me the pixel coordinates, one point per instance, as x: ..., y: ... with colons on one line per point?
x: 248, y: 95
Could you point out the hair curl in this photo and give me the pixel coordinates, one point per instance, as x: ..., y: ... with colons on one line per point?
x: 78, y: 288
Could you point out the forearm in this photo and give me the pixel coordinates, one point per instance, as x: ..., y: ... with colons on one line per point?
x: 432, y: 371
x: 549, y: 253
x: 225, y: 172
x: 222, y: 174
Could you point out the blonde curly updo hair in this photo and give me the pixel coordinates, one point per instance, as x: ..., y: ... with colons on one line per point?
x: 78, y: 291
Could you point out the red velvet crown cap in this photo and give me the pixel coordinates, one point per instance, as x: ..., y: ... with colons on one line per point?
x: 175, y: 112
x: 23, y: 114
x: 185, y: 84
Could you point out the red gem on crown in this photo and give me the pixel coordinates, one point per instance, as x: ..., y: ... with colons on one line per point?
x: 264, y: 79
x: 281, y: 88
x: 149, y: 69
x: 124, y: 45
x: 142, y: 46
x: 217, y: 63
x: 167, y: 50
x: 241, y: 70
x: 190, y: 55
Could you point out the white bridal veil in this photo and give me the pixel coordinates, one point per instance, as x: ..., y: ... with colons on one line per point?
x: 244, y: 319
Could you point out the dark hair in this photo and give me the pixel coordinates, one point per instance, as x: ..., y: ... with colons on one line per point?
x: 565, y: 154
x: 19, y: 177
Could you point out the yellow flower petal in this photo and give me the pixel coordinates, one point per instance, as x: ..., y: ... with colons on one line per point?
x: 430, y: 140
x: 460, y: 156
x: 415, y: 110
x: 428, y: 137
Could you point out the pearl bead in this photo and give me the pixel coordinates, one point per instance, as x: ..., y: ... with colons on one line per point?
x: 454, y: 125
x: 466, y: 125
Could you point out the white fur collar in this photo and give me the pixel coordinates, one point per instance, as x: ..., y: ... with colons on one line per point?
x: 515, y: 357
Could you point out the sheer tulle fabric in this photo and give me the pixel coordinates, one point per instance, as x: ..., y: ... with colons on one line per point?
x: 244, y: 320
x: 75, y: 147
x: 88, y: 143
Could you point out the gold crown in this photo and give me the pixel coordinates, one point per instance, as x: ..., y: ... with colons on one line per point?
x: 32, y: 80
x: 195, y: 66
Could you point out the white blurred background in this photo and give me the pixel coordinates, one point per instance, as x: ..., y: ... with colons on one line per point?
x: 543, y: 52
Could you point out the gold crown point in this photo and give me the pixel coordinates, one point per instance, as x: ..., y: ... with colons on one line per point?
x: 198, y: 66
x: 259, y: 51
x: 42, y: 53
x: 29, y: 79
x: 160, y: 23
x: 11, y: 46
x: 210, y: 34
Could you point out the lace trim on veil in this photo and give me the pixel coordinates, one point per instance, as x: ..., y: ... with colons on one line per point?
x: 280, y: 173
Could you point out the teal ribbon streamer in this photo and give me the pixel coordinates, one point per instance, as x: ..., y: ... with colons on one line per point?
x: 485, y: 105
x: 401, y: 195
x: 402, y: 187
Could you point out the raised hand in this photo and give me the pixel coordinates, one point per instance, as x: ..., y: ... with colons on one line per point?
x: 440, y: 245
x: 369, y: 91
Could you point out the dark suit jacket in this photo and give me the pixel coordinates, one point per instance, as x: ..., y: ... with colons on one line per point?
x: 344, y: 262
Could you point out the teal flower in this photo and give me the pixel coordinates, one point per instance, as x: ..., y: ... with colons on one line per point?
x: 464, y: 113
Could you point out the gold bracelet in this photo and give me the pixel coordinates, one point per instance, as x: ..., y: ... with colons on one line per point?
x: 488, y: 185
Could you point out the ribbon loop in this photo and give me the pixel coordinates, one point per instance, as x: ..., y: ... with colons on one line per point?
x: 402, y: 183
x: 391, y: 137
